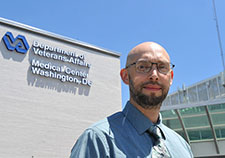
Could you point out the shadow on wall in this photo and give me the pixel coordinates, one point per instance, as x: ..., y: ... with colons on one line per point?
x: 41, y: 81
x: 53, y: 83
x: 57, y: 85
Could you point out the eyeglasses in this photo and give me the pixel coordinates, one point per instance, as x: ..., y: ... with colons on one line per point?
x: 145, y: 66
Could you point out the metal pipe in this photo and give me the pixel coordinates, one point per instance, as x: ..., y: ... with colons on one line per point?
x: 213, y: 129
x: 183, y: 126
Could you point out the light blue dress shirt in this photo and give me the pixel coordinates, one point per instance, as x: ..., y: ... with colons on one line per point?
x: 123, y: 135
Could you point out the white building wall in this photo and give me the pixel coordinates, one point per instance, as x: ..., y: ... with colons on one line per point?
x: 208, y: 149
x: 42, y: 117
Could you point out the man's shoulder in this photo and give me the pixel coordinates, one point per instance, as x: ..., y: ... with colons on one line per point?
x: 176, y: 142
x: 105, y: 125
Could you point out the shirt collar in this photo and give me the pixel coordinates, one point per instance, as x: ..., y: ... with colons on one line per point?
x: 139, y: 121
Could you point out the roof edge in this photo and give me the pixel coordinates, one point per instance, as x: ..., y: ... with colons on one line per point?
x: 203, y: 103
x: 57, y: 36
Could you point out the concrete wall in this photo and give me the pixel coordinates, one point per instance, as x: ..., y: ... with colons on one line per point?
x: 208, y: 149
x: 42, y: 117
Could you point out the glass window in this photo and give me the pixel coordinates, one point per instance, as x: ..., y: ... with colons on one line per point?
x: 192, y: 94
x: 175, y: 99
x: 202, y: 92
x: 220, y: 132
x: 218, y: 118
x: 206, y: 134
x: 183, y: 96
x: 201, y: 134
x: 166, y: 102
x: 192, y: 111
x: 172, y: 123
x: 213, y: 89
x: 222, y: 89
x: 196, y: 121
x: 194, y: 135
x: 168, y: 114
x: 216, y: 108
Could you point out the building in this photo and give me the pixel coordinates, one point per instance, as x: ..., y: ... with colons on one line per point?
x: 52, y: 88
x: 197, y: 113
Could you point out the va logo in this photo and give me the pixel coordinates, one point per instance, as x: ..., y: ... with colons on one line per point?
x: 19, y: 43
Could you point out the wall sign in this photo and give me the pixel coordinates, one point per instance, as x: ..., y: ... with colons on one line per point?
x: 19, y: 43
x: 48, y: 67
x: 63, y: 73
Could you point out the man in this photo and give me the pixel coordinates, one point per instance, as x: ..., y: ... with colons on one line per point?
x: 137, y: 131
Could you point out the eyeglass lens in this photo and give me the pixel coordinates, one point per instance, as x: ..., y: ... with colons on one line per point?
x: 146, y: 66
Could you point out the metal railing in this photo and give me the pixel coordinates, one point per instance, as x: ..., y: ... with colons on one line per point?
x: 207, y: 90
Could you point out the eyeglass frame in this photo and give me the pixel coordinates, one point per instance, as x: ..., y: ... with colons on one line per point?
x: 134, y: 63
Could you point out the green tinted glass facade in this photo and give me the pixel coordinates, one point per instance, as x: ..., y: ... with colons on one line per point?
x: 196, y: 121
x: 197, y: 113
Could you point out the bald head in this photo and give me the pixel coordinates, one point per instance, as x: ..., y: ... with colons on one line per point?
x: 146, y: 47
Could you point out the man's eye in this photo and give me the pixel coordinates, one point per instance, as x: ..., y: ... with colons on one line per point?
x: 143, y: 67
x: 162, y: 66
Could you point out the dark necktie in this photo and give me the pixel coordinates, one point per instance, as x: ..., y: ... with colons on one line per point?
x: 159, y: 149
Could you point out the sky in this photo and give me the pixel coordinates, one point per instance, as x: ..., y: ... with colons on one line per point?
x: 187, y: 29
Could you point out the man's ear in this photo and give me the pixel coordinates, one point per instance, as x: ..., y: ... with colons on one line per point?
x: 171, y: 77
x: 124, y: 76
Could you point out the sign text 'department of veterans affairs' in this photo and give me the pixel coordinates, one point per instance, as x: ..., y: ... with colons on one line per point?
x: 61, y: 72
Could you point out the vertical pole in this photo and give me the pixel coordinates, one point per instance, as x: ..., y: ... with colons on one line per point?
x: 218, y: 34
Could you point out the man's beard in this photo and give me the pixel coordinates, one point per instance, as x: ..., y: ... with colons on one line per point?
x: 145, y: 101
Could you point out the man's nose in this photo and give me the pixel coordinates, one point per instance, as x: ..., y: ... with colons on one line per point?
x: 153, y: 76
